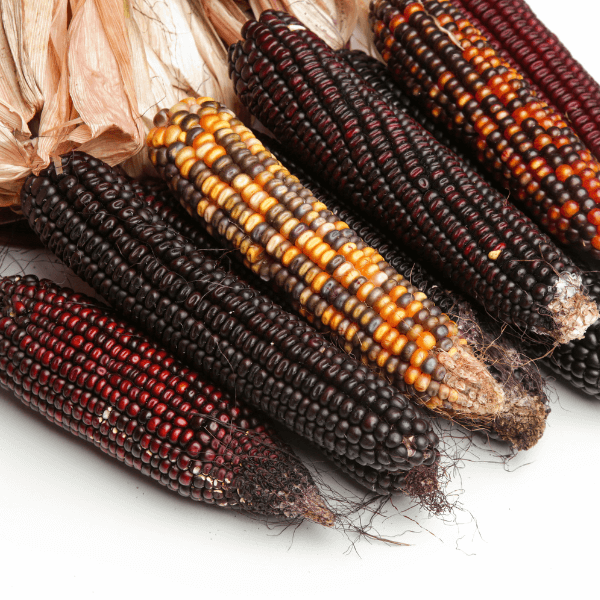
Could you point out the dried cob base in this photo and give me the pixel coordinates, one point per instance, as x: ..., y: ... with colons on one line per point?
x: 91, y: 218
x: 522, y: 419
x: 433, y: 52
x: 66, y: 357
x: 391, y: 170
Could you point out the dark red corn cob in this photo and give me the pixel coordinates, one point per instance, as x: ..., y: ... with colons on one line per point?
x: 512, y: 28
x: 92, y: 219
x: 522, y: 418
x: 393, y: 172
x: 68, y: 358
x: 436, y: 55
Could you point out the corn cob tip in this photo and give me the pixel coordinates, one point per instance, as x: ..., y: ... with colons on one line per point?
x: 479, y: 395
x: 573, y: 310
x: 522, y: 424
x: 309, y: 505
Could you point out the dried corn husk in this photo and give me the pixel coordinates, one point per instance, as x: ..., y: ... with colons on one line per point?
x: 332, y: 20
x: 362, y: 37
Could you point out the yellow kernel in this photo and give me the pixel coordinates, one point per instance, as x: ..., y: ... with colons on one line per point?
x: 253, y: 221
x: 414, y: 332
x: 364, y: 290
x: 203, y: 149
x: 256, y: 199
x: 187, y: 165
x: 288, y: 226
x: 158, y: 137
x: 275, y: 241
x: 381, y: 332
x: 327, y: 315
x: 397, y: 317
x: 399, y: 345
x: 267, y: 205
x: 207, y: 122
x: 426, y: 340
x: 303, y: 238
x: 422, y: 382
x: 418, y: 357
x: 202, y: 139
x: 290, y: 254
x: 213, y: 154
x: 263, y: 178
x: 382, y: 357
x: 311, y: 244
x: 216, y: 190
x: 411, y: 375
x: 171, y: 134
x: 319, y: 281
x: 327, y: 256
x: 209, y: 183
x: 249, y: 191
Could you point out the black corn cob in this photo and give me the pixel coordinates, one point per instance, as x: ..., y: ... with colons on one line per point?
x: 522, y: 418
x: 517, y: 34
x: 66, y: 357
x: 223, y: 175
x: 393, y: 172
x: 435, y: 54
x: 92, y: 219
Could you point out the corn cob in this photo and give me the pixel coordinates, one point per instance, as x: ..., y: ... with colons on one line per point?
x: 252, y: 201
x: 522, y: 419
x: 378, y: 159
x: 66, y: 357
x: 435, y: 54
x: 579, y: 361
x: 375, y: 74
x: 514, y: 31
x: 91, y: 218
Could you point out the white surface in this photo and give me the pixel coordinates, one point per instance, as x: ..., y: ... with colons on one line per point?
x: 76, y: 524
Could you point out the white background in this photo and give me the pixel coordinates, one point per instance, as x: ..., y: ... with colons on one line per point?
x: 76, y: 524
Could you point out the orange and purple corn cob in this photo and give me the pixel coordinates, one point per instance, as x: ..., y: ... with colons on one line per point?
x: 225, y: 177
x: 436, y: 55
x: 69, y: 359
x: 514, y: 30
x: 396, y: 175
x: 90, y: 216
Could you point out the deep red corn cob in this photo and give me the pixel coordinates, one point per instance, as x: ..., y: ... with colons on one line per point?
x: 91, y: 218
x: 436, y: 55
x: 224, y: 175
x: 522, y: 418
x: 393, y: 172
x: 512, y: 27
x: 68, y: 358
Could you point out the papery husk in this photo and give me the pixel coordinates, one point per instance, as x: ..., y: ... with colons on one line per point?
x: 362, y: 37
x: 226, y: 16
x: 332, y: 20
x: 101, y: 83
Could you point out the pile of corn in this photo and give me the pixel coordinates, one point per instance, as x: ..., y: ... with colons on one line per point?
x: 380, y: 277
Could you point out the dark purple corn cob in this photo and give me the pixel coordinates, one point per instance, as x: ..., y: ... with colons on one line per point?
x: 69, y: 359
x: 435, y: 54
x: 513, y: 29
x: 522, y: 418
x: 92, y: 219
x: 394, y: 173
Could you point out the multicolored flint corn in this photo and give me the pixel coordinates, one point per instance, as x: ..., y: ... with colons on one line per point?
x: 513, y: 30
x: 437, y: 56
x: 224, y: 176
x: 388, y: 168
x: 90, y: 216
x: 522, y: 419
x: 69, y: 359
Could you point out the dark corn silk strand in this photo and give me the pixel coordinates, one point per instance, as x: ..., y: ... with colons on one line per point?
x: 67, y: 358
x: 394, y: 173
x: 436, y: 55
x: 224, y: 174
x: 522, y: 419
x: 93, y: 220
x: 513, y: 29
